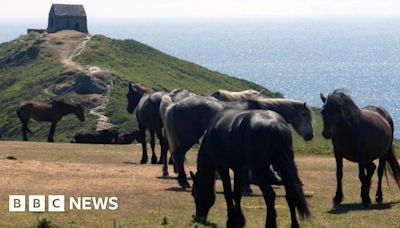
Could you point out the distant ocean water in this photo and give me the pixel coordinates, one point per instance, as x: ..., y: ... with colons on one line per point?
x: 299, y: 58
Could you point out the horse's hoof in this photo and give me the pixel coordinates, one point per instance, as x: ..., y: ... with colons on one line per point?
x: 366, y: 205
x: 154, y: 160
x: 143, y: 161
x: 50, y: 140
x: 337, y: 201
x: 160, y: 162
x: 171, y: 162
x: 184, y: 184
x: 379, y: 199
x: 165, y: 174
x: 247, y: 192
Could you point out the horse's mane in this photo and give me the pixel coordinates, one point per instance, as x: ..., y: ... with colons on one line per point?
x: 242, y: 95
x: 287, y: 103
x: 65, y: 104
x: 344, y: 102
x: 142, y: 89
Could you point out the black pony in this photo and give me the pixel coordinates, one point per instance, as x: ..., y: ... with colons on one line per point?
x: 185, y: 121
x: 148, y: 117
x: 255, y: 139
x: 359, y: 135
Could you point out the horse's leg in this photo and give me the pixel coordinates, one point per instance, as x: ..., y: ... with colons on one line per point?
x: 237, y: 195
x: 50, y: 138
x: 142, y: 130
x: 24, y: 129
x: 163, y: 146
x: 339, y: 175
x: 370, y: 172
x: 246, y: 182
x: 226, y: 182
x: 153, y: 145
x: 364, y: 185
x: 179, y: 159
x: 381, y: 168
x: 263, y: 178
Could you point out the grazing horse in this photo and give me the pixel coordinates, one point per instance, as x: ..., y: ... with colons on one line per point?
x: 52, y: 111
x: 225, y: 95
x: 256, y: 139
x: 148, y: 117
x: 105, y: 136
x: 360, y: 135
x: 185, y: 121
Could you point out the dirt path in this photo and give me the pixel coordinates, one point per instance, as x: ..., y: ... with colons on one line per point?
x: 68, y: 45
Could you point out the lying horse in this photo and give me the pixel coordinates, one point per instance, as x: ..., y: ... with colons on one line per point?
x: 359, y: 135
x: 105, y: 136
x: 225, y: 95
x: 185, y: 121
x: 238, y: 139
x: 130, y: 138
x: 52, y: 111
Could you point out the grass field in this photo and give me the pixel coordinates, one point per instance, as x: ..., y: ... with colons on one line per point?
x: 145, y: 198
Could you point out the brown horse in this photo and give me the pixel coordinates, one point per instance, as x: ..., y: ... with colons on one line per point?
x: 105, y: 136
x: 52, y: 111
x: 359, y: 135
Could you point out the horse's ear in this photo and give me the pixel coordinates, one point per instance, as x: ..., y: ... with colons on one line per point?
x: 323, y: 98
x: 305, y: 105
x: 131, y: 89
x: 193, y: 176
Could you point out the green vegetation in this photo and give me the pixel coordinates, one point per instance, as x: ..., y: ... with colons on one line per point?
x: 129, y: 61
x: 25, y: 76
x: 135, y: 62
x: 45, y: 223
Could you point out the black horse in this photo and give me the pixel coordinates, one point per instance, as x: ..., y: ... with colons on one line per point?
x: 148, y: 117
x: 186, y: 121
x: 52, y: 111
x: 359, y: 135
x: 255, y: 139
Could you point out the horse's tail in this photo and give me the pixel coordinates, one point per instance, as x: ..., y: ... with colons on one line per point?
x: 291, y: 180
x: 22, y: 120
x: 394, y: 165
x: 165, y: 112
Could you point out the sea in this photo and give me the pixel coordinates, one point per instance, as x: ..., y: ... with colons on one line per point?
x: 300, y: 58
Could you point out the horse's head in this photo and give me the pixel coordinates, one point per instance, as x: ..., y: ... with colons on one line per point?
x: 134, y: 95
x: 204, y: 197
x: 302, y: 122
x: 338, y: 108
x: 217, y: 95
x: 79, y: 112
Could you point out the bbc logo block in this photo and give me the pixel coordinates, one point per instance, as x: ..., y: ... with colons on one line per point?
x: 16, y: 203
x: 36, y: 203
x: 56, y: 203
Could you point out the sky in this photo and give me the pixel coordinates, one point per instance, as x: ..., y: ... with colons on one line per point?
x: 208, y: 9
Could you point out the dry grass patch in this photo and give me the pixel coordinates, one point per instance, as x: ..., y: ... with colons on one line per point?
x: 145, y: 198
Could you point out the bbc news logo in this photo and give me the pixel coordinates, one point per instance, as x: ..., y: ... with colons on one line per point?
x: 56, y: 203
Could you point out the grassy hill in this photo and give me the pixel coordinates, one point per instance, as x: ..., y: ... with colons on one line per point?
x: 28, y: 66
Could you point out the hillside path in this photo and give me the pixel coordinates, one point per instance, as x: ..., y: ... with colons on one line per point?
x: 68, y: 45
